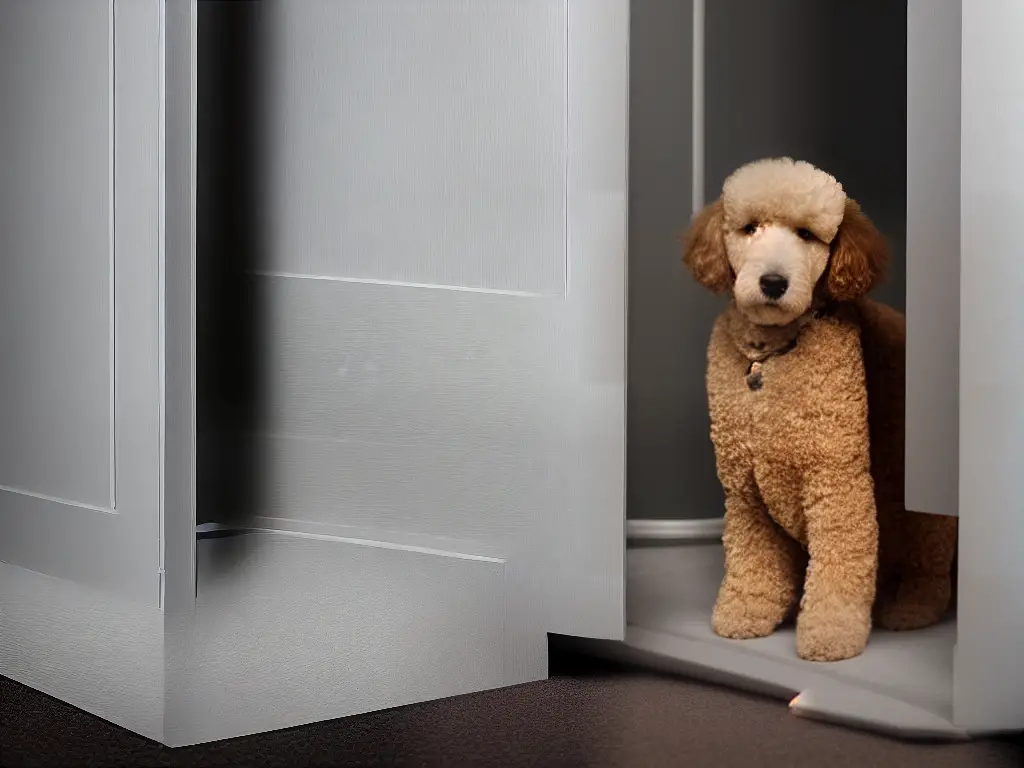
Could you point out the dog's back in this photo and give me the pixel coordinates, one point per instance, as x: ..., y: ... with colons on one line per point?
x: 905, y: 535
x: 884, y: 342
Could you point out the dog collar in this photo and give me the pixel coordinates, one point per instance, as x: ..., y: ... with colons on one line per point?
x: 755, y: 379
x: 764, y: 343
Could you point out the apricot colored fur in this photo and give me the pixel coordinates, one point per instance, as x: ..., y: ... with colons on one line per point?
x: 812, y: 461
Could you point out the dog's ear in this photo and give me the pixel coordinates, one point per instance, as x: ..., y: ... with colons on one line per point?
x: 859, y: 256
x: 704, y: 249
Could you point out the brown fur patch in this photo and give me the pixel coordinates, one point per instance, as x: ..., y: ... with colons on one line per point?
x: 859, y: 257
x: 704, y: 249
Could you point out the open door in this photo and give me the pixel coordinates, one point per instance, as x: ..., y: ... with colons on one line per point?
x: 965, y: 423
x: 989, y: 680
x: 438, y: 278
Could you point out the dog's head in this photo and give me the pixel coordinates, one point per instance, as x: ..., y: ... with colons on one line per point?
x: 782, y: 233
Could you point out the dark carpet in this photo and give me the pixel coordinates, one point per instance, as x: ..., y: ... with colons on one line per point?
x: 587, y: 714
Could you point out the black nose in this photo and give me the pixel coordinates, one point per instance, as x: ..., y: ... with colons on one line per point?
x: 774, y: 286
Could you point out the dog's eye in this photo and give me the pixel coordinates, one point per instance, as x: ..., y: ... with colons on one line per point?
x: 750, y: 229
x: 805, y: 234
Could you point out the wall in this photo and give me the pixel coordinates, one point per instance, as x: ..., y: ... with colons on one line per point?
x: 670, y: 469
x: 819, y: 80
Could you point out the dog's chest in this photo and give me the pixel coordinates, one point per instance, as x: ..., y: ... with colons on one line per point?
x: 797, y: 413
x: 791, y: 404
x: 767, y: 400
x: 768, y: 416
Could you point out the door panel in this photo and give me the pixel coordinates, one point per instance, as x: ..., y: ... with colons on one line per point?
x: 443, y: 296
x: 417, y: 162
x: 415, y: 409
x: 79, y: 291
x: 56, y: 401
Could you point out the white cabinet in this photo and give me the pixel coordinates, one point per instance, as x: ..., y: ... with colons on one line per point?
x: 315, y: 362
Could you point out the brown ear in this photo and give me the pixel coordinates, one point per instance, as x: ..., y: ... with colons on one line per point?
x: 859, y: 256
x: 704, y: 249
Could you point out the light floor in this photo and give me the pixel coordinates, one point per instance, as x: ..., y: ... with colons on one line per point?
x: 901, y: 684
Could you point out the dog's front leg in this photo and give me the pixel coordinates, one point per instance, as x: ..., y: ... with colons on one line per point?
x: 763, y: 570
x: 842, y: 535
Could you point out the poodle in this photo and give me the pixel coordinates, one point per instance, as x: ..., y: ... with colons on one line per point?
x: 805, y: 383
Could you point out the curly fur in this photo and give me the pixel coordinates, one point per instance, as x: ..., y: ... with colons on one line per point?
x: 807, y: 421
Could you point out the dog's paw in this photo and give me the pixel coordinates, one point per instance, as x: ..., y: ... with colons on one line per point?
x: 740, y: 618
x: 918, y: 603
x: 833, y: 635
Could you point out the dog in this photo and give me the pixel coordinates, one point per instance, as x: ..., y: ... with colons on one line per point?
x: 805, y: 384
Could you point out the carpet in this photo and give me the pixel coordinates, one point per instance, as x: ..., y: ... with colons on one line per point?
x: 588, y: 713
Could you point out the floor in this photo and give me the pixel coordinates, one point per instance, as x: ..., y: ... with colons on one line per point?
x: 588, y: 714
x: 903, y: 679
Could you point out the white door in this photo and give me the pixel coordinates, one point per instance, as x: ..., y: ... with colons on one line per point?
x: 442, y: 337
x: 989, y: 680
x: 79, y: 292
x: 965, y: 421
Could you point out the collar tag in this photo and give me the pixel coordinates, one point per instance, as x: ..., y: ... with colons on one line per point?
x: 754, y: 378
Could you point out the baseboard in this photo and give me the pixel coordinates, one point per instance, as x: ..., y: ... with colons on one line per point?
x: 85, y: 647
x: 709, y: 529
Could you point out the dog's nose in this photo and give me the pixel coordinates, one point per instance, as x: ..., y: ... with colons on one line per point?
x: 774, y: 286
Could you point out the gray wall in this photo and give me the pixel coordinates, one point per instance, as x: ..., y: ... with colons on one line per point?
x: 670, y: 467
x: 820, y: 80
